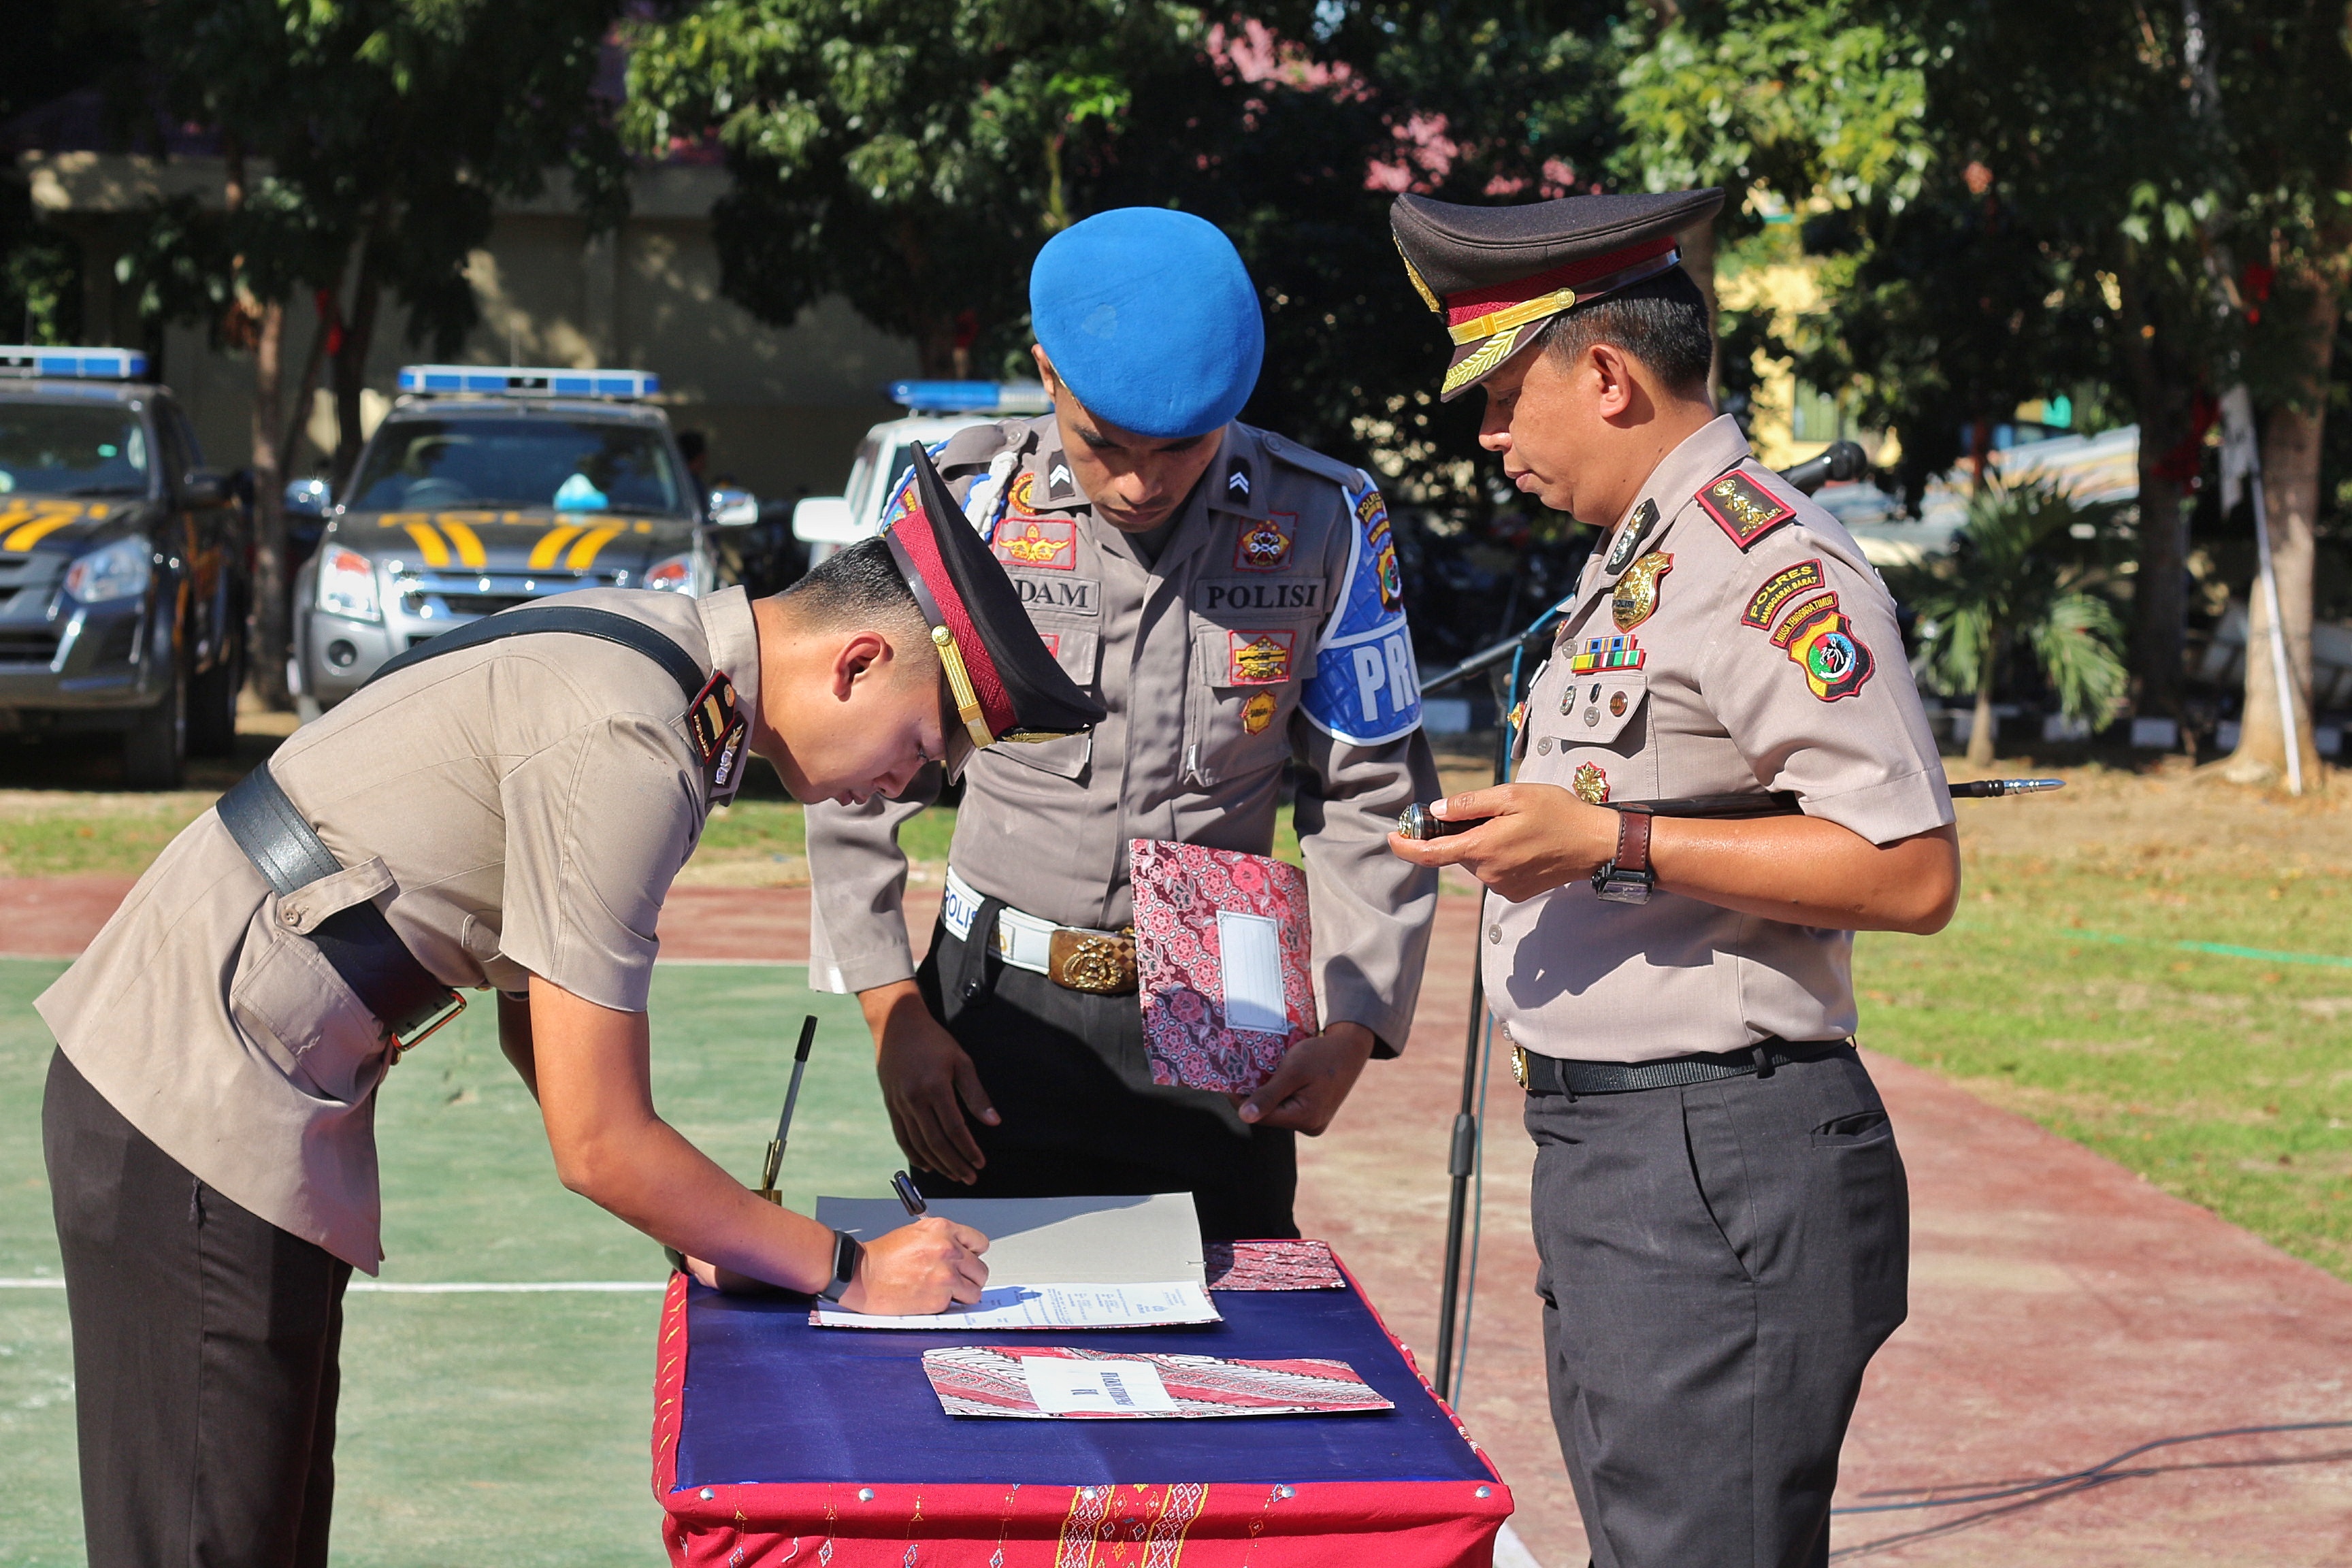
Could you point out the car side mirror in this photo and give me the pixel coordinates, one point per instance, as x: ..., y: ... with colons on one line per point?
x: 206, y: 487
x: 307, y: 498
x: 825, y: 520
x: 734, y: 508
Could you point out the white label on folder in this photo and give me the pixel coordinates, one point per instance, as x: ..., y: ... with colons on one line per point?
x: 1249, y: 951
x: 1065, y: 1386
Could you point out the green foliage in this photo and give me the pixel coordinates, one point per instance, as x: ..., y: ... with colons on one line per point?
x: 2017, y: 577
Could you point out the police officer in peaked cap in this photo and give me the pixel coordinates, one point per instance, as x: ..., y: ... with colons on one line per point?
x: 1718, y: 1205
x: 1232, y: 599
x: 504, y: 806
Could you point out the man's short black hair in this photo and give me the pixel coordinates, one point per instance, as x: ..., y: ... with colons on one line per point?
x: 859, y: 585
x: 1661, y: 320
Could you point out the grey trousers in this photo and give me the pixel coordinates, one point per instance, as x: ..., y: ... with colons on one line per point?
x: 1719, y: 1262
x: 205, y: 1343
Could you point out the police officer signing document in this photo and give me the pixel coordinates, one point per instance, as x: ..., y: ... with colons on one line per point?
x: 1718, y: 1205
x: 1233, y: 599
x: 504, y: 806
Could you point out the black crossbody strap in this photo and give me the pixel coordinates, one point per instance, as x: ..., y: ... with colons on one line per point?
x: 576, y: 619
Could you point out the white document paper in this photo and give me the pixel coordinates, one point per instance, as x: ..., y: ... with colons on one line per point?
x: 1119, y: 1240
x: 1048, y: 1307
x: 1066, y: 1386
x: 1249, y: 956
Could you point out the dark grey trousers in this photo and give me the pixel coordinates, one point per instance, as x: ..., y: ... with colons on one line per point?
x: 204, y: 1344
x: 1719, y: 1263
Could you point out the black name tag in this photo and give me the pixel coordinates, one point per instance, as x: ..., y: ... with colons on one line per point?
x: 1261, y: 593
x: 1070, y: 595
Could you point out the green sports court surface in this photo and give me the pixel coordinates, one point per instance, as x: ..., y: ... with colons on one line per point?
x: 475, y: 1426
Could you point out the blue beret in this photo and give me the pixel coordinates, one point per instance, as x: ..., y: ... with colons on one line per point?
x: 1150, y: 320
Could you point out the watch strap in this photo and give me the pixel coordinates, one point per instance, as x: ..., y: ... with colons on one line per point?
x: 1634, y: 841
x: 846, y: 1251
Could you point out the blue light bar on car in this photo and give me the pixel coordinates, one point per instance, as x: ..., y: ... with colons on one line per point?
x: 971, y: 396
x: 72, y: 363
x: 528, y: 381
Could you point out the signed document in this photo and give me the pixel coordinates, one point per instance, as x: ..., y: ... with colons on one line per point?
x: 1049, y: 1306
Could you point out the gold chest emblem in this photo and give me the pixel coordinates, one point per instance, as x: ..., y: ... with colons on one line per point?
x: 1637, y: 596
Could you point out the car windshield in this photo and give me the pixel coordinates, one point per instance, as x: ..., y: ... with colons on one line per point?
x: 72, y: 449
x: 573, y: 465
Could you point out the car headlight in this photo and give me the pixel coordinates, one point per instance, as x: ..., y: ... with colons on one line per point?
x: 347, y: 585
x: 675, y: 575
x: 118, y: 570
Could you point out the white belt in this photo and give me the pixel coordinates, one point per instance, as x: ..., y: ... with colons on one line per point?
x: 1022, y: 940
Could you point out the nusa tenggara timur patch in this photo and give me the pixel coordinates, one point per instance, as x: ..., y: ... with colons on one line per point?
x: 1365, y: 688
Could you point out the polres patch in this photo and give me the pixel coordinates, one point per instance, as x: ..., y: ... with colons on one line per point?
x: 1779, y: 589
x: 1744, y: 509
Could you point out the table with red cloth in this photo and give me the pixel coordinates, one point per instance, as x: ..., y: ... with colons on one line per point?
x: 776, y: 1442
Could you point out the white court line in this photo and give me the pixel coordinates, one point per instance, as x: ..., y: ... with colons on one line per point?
x: 452, y: 1287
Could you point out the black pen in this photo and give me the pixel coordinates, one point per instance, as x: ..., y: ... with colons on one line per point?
x: 767, y: 1188
x: 908, y: 1195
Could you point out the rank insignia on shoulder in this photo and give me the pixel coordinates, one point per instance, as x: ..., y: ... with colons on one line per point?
x: 1590, y: 785
x: 1621, y: 652
x: 1237, y: 480
x: 1048, y: 543
x: 1060, y: 485
x: 1630, y: 537
x: 1744, y: 509
x: 1259, y: 658
x: 1636, y: 597
x: 1258, y: 714
x: 1836, y: 662
x: 716, y: 730
x: 1779, y: 589
x: 1265, y: 546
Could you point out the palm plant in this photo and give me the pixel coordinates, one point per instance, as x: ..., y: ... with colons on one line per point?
x: 2016, y: 576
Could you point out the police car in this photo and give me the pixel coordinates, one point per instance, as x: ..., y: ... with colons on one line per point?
x: 486, y: 488
x: 125, y: 563
x: 935, y: 411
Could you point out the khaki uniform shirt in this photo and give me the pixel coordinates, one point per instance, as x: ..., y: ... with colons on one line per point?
x: 1270, y: 625
x: 1757, y: 650
x: 515, y: 809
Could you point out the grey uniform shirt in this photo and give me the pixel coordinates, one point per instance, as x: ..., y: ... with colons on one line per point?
x: 515, y: 809
x: 1761, y: 653
x: 1270, y: 623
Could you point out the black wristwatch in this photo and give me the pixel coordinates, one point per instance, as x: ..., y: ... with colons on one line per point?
x: 1628, y: 879
x: 846, y: 1251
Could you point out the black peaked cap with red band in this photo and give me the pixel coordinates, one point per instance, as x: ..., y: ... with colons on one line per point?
x: 1006, y: 685
x: 1497, y: 274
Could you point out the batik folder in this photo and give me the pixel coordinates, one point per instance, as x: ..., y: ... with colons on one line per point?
x: 1223, y: 945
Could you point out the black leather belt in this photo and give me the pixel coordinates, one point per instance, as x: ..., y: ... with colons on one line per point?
x: 1553, y: 1075
x: 358, y: 941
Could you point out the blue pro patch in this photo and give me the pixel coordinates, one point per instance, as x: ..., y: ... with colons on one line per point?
x: 1366, y: 688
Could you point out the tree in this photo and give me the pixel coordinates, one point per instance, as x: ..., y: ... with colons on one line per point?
x: 366, y: 146
x: 2014, y: 582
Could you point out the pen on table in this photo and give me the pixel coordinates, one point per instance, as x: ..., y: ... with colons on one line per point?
x: 785, y: 1123
x: 909, y: 1194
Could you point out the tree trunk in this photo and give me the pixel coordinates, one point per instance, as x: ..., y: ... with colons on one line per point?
x: 349, y: 361
x: 2161, y: 393
x: 2290, y: 452
x: 1981, y: 730
x: 1698, y: 260
x: 270, y: 592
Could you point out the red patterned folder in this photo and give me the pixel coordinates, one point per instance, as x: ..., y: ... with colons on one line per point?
x: 1221, y: 944
x: 990, y: 1380
x: 1272, y: 1266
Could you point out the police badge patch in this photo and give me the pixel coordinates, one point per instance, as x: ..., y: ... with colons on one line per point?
x: 1265, y: 546
x: 1836, y: 662
x: 1372, y: 514
x: 1635, y: 599
x: 1744, y: 509
x: 1780, y: 588
x: 1258, y: 714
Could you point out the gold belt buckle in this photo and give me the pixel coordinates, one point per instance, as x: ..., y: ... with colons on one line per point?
x: 1092, y: 962
x: 450, y: 1009
x: 1519, y: 1065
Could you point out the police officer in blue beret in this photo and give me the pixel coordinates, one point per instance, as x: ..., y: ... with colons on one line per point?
x: 1232, y: 599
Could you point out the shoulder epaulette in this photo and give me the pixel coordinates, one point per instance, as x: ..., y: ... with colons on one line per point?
x: 1743, y: 509
x: 1284, y: 449
x: 971, y: 448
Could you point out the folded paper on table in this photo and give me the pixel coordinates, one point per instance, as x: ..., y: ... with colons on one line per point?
x: 1015, y: 1381
x: 1150, y: 1239
x: 1004, y: 1307
x: 1223, y: 946
x: 1273, y: 1265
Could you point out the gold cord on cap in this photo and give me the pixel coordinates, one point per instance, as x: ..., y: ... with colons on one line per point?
x: 967, y: 700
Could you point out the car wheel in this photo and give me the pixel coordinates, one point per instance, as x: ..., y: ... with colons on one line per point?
x: 155, y: 747
x: 212, y: 704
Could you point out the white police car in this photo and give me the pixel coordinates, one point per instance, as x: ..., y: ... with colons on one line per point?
x: 935, y: 411
x: 125, y: 563
x: 489, y: 486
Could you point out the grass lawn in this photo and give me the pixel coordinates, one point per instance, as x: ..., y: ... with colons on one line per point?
x: 2086, y: 983
x: 474, y: 1428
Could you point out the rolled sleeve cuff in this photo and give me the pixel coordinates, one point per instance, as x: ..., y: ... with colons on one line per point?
x: 1895, y: 809
x: 883, y: 964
